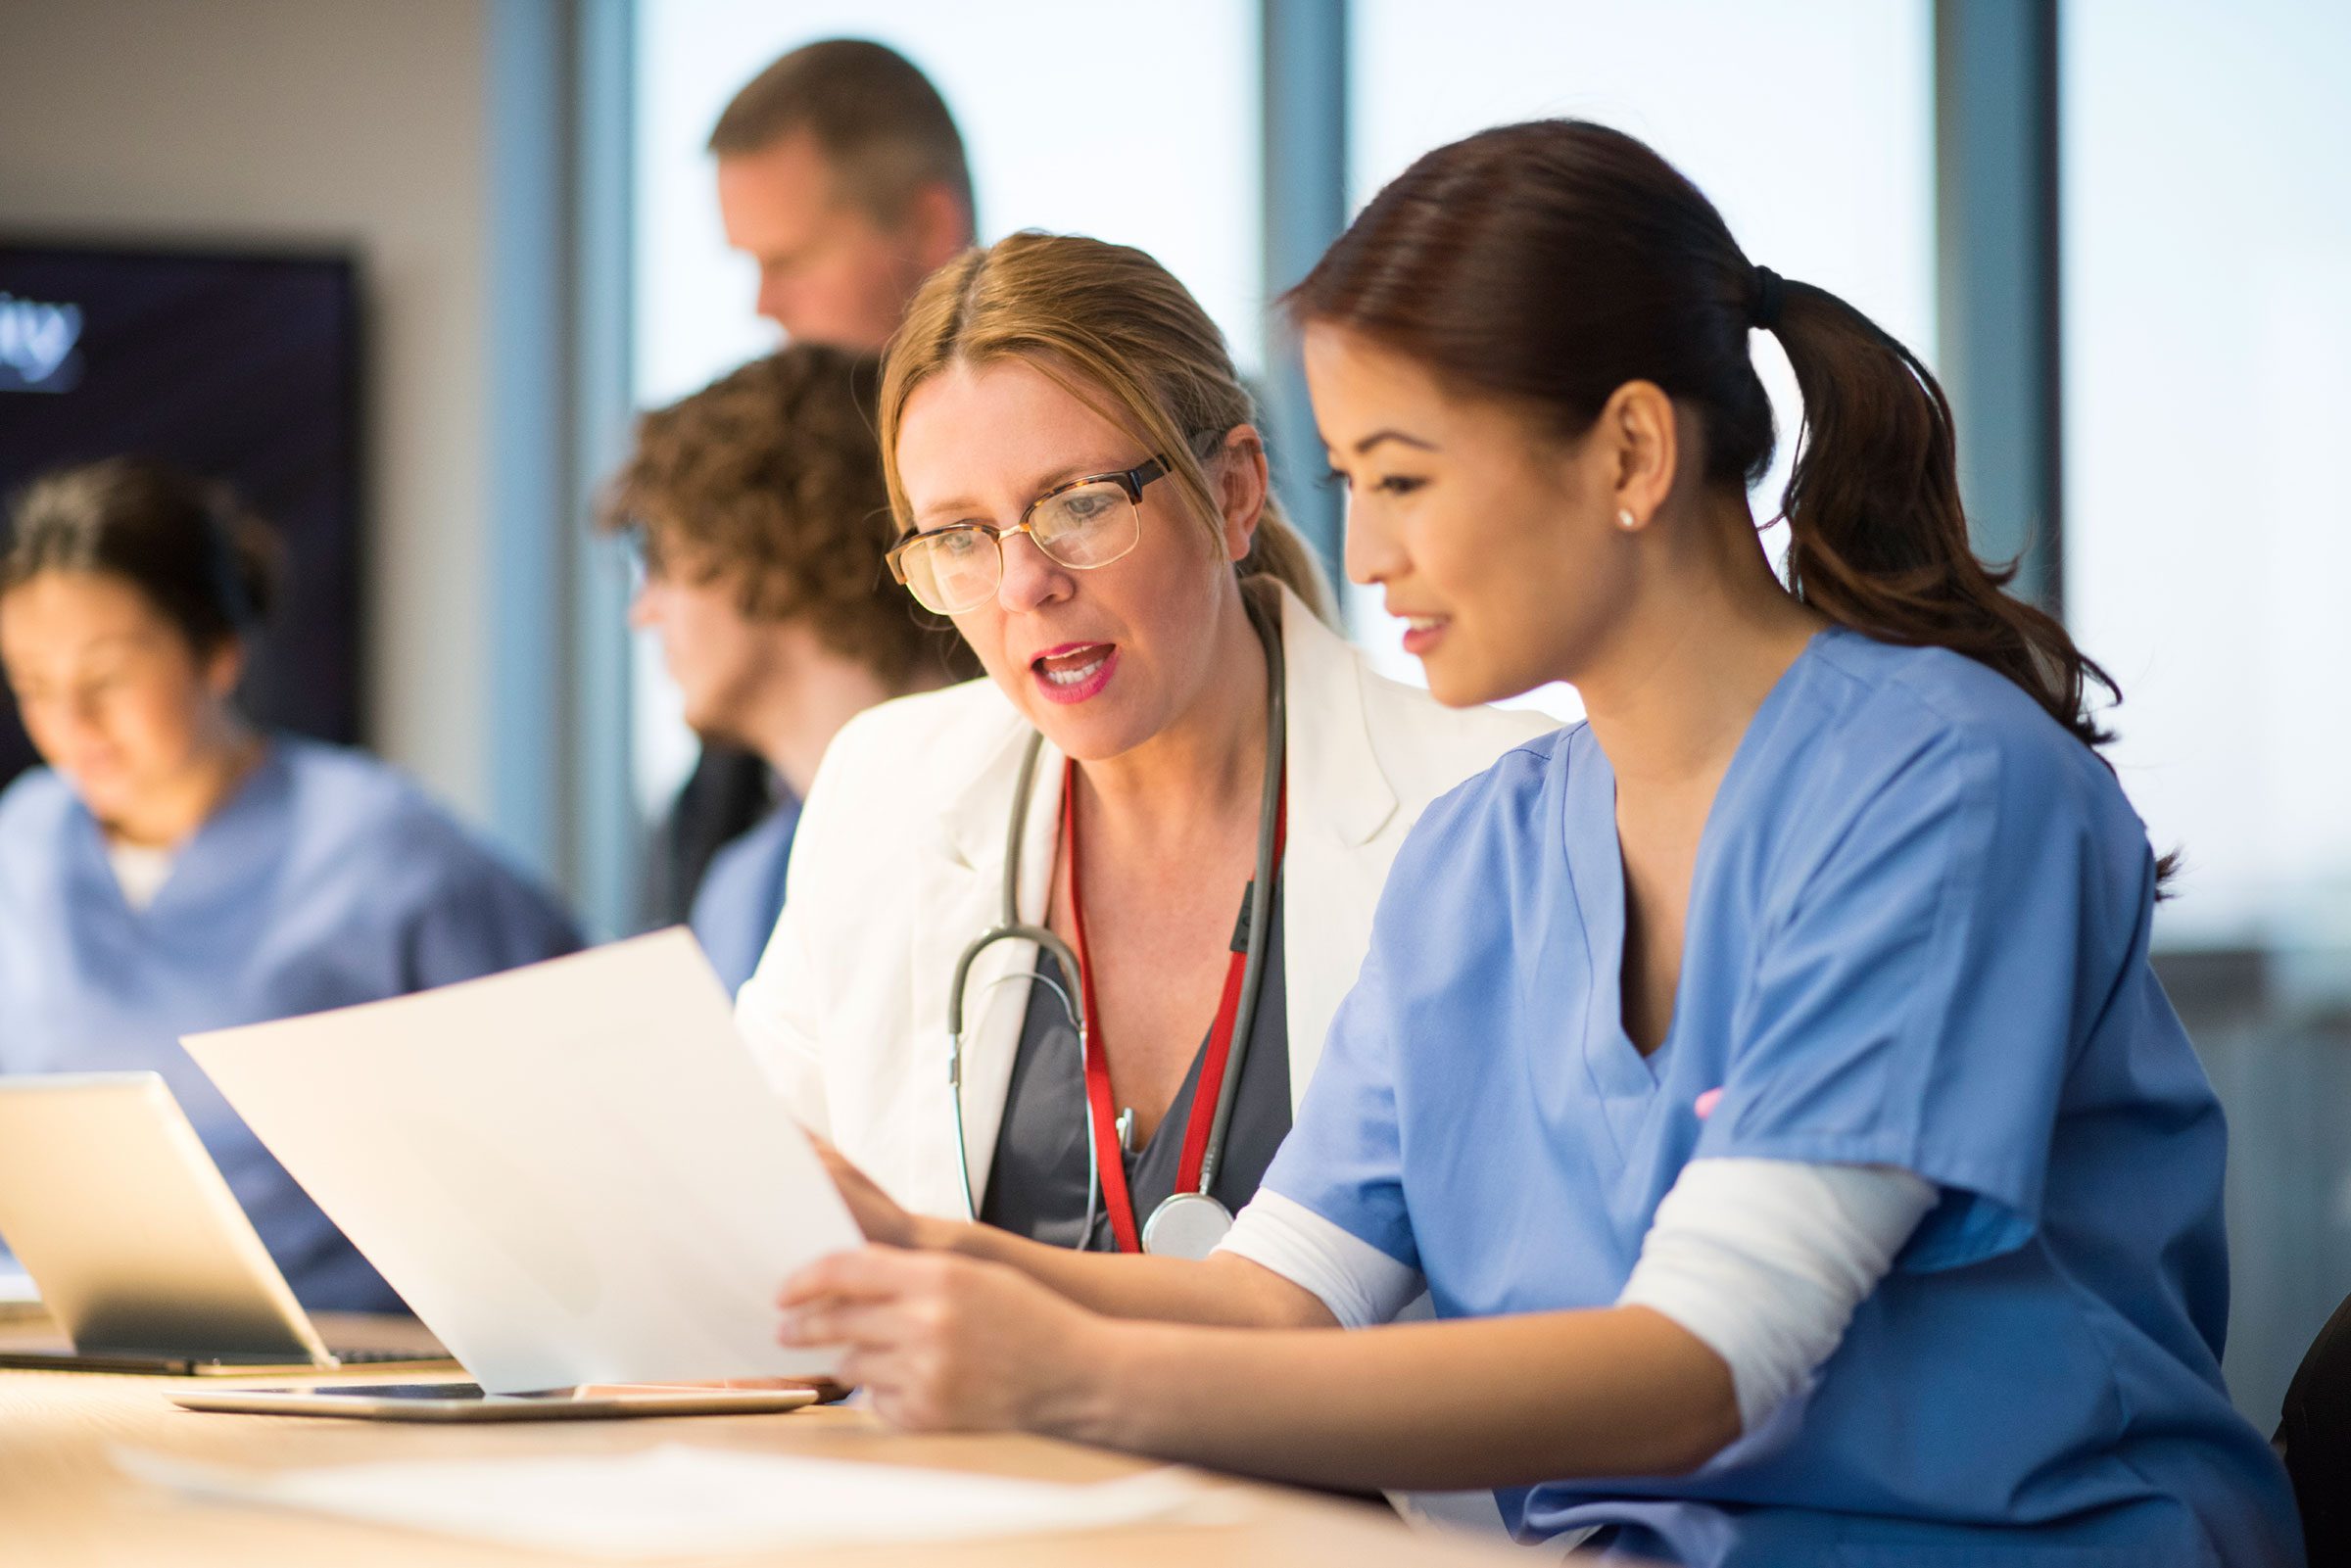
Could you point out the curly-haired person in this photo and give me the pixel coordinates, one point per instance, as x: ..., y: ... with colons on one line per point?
x: 759, y: 508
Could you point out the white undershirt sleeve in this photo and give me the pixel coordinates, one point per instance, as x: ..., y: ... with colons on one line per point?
x: 1764, y: 1260
x: 1360, y: 1284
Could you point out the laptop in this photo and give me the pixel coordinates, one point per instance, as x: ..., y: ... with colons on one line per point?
x: 142, y: 1256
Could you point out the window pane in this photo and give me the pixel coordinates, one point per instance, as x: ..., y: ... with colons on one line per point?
x: 2207, y: 212
x: 1810, y: 129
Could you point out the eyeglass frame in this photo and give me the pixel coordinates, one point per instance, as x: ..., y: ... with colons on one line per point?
x: 649, y: 564
x: 1130, y: 480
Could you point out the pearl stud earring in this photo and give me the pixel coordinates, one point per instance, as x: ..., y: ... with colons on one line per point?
x: 1627, y: 521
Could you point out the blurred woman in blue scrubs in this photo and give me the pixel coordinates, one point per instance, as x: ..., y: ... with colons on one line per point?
x: 1766, y: 1078
x: 177, y: 869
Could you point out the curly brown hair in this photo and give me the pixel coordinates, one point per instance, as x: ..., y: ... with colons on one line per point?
x: 770, y: 478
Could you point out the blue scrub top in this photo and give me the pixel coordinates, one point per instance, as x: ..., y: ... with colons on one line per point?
x: 741, y: 895
x: 326, y: 879
x: 1916, y: 936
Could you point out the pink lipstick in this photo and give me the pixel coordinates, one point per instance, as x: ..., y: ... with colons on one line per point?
x: 1074, y: 671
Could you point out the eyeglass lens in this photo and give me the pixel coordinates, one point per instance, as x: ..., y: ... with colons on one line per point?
x: 1080, y: 528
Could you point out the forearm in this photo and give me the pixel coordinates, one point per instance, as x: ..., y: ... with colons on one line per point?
x: 1496, y: 1401
x: 1220, y: 1290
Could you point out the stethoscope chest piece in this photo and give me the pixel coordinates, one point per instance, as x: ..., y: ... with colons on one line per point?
x: 1186, y: 1224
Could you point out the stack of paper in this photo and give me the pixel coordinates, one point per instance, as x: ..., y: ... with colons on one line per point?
x: 678, y: 1500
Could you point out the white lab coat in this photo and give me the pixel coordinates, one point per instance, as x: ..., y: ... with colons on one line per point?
x: 899, y: 864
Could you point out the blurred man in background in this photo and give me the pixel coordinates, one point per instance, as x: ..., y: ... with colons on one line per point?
x: 759, y: 510
x: 840, y: 173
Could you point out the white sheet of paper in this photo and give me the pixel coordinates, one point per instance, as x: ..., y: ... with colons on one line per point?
x: 574, y: 1172
x: 679, y: 1500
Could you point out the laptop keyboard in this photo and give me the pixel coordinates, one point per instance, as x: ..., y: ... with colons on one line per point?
x: 368, y: 1358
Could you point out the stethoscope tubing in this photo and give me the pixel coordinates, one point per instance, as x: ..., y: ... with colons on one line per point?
x: 1260, y: 891
x: 1011, y: 927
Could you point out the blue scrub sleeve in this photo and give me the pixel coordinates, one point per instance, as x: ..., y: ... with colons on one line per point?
x: 1924, y: 983
x: 1342, y: 1156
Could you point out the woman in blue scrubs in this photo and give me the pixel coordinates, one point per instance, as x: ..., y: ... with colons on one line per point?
x: 1767, y: 1078
x: 175, y: 869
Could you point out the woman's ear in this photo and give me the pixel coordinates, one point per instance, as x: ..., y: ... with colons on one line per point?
x: 1240, y: 480
x: 1640, y: 446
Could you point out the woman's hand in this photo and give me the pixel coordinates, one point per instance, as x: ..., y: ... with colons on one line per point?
x: 945, y: 1342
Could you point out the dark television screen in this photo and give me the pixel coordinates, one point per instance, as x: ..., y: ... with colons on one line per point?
x: 243, y: 367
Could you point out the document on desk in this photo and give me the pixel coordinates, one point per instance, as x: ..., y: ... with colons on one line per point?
x: 573, y: 1172
x: 679, y: 1500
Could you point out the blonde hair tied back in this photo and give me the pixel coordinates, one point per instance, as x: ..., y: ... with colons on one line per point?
x: 1109, y: 322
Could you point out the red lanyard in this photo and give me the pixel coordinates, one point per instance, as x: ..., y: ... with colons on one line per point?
x: 1109, y: 1157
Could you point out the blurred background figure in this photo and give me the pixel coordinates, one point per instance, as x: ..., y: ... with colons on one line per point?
x: 841, y: 174
x: 761, y: 518
x: 174, y: 868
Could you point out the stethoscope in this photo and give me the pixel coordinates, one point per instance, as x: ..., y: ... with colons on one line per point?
x: 1187, y: 1223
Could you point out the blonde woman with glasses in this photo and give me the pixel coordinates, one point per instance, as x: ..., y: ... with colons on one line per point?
x: 1061, y: 946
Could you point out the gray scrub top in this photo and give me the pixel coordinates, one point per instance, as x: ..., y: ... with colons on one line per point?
x: 1036, y: 1186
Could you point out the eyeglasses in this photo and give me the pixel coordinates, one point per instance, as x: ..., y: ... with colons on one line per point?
x: 644, y: 555
x: 652, y: 558
x: 1083, y: 524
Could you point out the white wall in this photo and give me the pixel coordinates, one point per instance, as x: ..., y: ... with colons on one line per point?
x: 348, y: 122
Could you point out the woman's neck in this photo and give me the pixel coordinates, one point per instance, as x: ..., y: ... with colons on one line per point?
x: 1695, y: 660
x: 1202, y: 773
x: 170, y: 813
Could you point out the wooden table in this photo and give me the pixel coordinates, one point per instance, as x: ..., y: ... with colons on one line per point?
x: 63, y: 1504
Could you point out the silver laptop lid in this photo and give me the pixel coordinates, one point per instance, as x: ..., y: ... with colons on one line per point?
x: 113, y: 1205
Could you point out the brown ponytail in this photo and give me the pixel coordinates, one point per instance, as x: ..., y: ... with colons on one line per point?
x: 1553, y: 262
x: 1878, y: 540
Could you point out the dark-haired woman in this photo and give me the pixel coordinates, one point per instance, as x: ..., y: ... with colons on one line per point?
x: 176, y: 869
x: 1767, y: 1078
